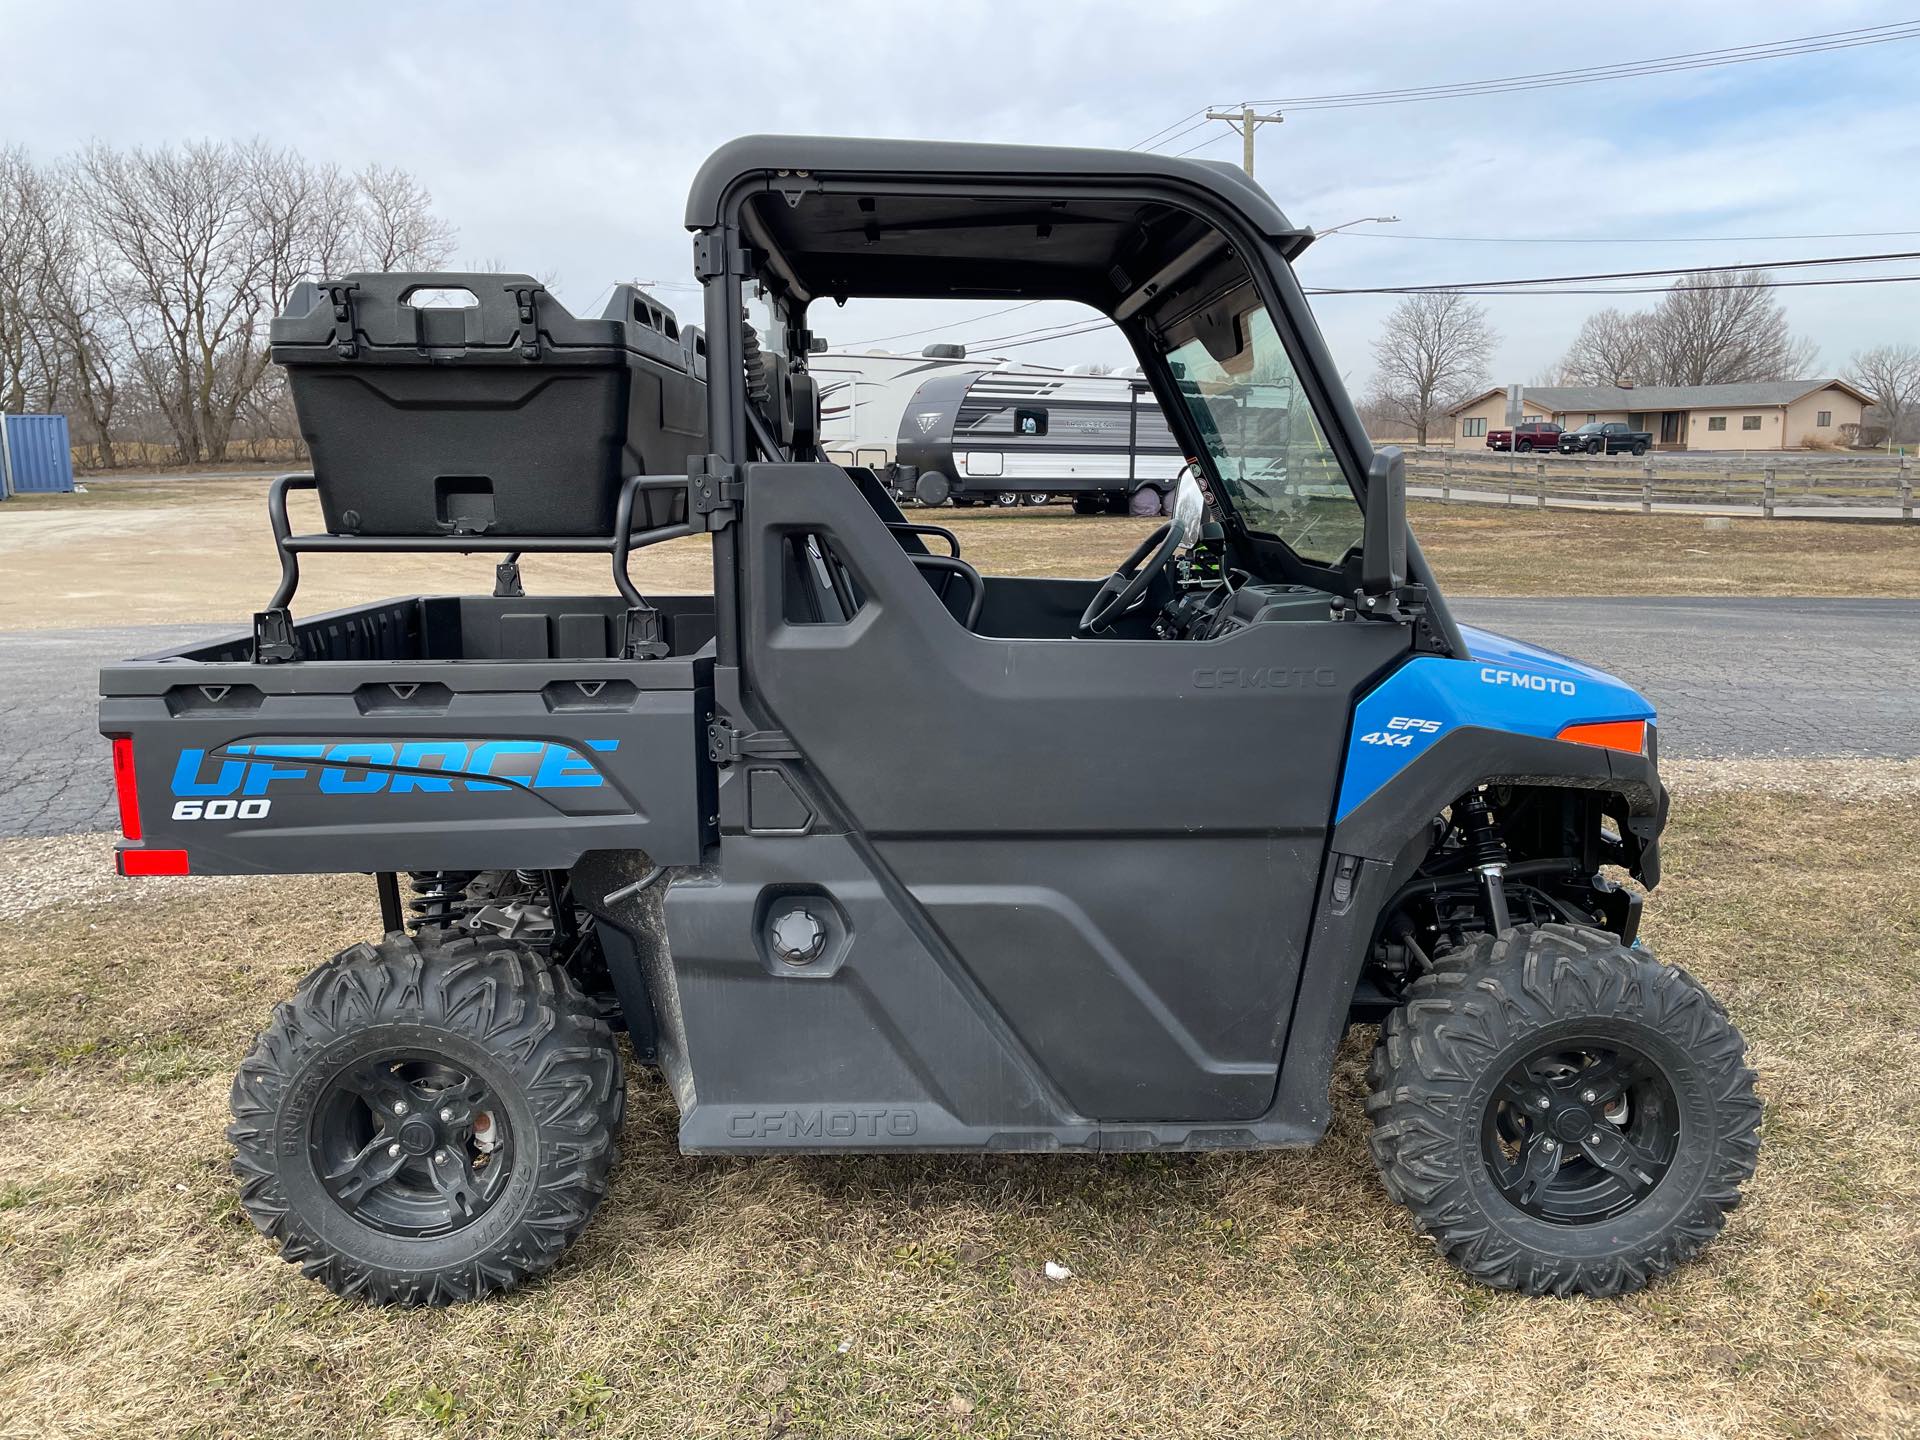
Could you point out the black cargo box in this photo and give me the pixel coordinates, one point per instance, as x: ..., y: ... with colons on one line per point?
x: 498, y: 414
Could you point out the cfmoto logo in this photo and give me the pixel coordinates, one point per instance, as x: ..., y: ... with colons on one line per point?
x: 1273, y: 677
x: 1522, y: 680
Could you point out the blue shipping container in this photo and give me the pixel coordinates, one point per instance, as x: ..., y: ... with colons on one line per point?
x: 36, y: 458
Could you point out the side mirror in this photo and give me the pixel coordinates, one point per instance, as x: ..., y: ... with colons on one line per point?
x: 1383, y: 558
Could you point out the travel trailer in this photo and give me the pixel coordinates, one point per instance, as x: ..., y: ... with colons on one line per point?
x: 940, y: 426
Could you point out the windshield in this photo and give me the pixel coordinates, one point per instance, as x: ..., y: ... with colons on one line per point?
x: 1267, y: 448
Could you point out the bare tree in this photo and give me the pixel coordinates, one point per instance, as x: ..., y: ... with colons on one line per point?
x: 182, y: 226
x: 136, y: 286
x: 1434, y: 350
x: 1612, y: 348
x: 71, y: 287
x: 1719, y: 328
x: 397, y: 227
x: 1890, y: 374
x: 19, y: 367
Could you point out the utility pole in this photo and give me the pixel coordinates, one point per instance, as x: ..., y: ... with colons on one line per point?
x: 1245, y: 121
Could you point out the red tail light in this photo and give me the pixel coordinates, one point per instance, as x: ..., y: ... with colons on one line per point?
x: 152, y: 862
x: 126, y: 788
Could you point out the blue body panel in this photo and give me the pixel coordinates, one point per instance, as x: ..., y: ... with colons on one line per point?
x: 1507, y: 685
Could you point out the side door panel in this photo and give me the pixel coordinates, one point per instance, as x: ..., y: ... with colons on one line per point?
x: 1118, y: 839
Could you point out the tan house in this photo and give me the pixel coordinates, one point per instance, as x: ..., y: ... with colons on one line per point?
x: 1758, y: 415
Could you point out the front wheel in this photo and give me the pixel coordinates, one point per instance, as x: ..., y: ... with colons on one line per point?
x: 427, y: 1121
x: 1563, y: 1113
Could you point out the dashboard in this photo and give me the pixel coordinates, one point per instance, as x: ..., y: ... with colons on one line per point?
x: 1223, y: 608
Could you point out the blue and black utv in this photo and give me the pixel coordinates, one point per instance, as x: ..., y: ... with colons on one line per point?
x: 861, y: 850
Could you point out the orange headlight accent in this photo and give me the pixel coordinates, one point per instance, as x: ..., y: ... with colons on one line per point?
x: 1627, y: 735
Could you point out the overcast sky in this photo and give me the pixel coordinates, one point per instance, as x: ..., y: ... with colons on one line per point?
x: 561, y: 138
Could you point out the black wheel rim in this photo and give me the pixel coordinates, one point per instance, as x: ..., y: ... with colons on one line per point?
x: 411, y: 1145
x: 1579, y: 1131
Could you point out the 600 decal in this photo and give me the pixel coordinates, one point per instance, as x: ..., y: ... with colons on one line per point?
x: 221, y: 809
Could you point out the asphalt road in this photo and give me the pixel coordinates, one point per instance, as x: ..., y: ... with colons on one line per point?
x: 1730, y: 678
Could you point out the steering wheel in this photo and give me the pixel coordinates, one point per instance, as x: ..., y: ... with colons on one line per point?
x: 1121, y: 591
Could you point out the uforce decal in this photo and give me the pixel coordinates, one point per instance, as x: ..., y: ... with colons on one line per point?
x: 1271, y: 677
x: 1522, y: 680
x: 853, y: 1123
x: 370, y: 767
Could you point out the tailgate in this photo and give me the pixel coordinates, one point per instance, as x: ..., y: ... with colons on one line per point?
x: 226, y: 767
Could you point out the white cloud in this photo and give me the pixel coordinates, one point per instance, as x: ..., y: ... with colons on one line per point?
x: 562, y: 138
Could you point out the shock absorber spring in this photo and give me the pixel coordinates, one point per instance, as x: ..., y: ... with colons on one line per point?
x: 1487, y: 852
x: 438, y: 897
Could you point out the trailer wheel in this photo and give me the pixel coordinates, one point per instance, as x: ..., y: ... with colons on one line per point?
x: 1146, y: 501
x: 1563, y: 1113
x: 1089, y: 504
x: 427, y: 1121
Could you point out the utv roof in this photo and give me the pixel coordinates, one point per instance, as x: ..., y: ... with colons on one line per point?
x: 901, y: 243
x: 917, y: 159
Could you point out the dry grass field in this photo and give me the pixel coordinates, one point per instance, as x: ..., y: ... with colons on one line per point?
x: 1255, y: 1295
x: 142, y: 552
x: 1231, y: 1296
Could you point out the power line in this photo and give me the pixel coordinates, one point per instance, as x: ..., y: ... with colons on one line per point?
x: 974, y: 320
x: 1040, y: 332
x: 1021, y: 339
x: 1560, y: 71
x: 1151, y: 139
x: 1063, y: 335
x: 1532, y: 285
x: 1193, y: 123
x: 1643, y: 289
x: 1594, y: 74
x: 1473, y: 285
x: 1214, y: 139
x: 1632, y: 239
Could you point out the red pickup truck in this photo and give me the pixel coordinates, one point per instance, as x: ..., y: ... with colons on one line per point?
x: 1527, y: 435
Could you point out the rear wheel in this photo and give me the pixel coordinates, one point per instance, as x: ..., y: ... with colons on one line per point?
x: 1562, y: 1113
x: 1525, y: 447
x: 1639, y: 447
x: 428, y: 1121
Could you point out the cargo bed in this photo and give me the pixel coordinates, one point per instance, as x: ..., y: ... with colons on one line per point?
x: 426, y: 732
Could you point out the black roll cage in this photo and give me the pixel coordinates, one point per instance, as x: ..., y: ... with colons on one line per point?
x: 731, y: 251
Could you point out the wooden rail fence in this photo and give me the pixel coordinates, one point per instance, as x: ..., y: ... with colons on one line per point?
x: 1772, y: 486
